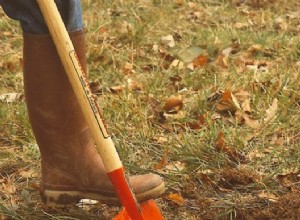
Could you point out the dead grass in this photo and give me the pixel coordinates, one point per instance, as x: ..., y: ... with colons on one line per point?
x: 248, y: 172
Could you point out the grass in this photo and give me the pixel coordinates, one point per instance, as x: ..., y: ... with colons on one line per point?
x: 213, y: 183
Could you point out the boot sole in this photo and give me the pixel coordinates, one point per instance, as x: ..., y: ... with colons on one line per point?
x: 62, y: 199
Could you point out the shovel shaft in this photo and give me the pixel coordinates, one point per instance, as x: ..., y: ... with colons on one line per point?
x: 89, y: 107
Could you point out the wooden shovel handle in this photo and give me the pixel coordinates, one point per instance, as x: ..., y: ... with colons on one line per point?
x: 77, y: 78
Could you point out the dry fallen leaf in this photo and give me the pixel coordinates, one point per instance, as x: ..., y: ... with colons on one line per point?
x: 11, y: 97
x: 168, y: 40
x: 8, y: 186
x: 280, y: 24
x: 268, y: 196
x: 164, y: 160
x: 206, y: 179
x: 128, y: 68
x: 260, y: 123
x: 96, y: 88
x: 167, y: 59
x: 198, y: 123
x: 200, y: 61
x: 176, y: 198
x: 27, y: 173
x: 173, y: 104
x: 246, y: 58
x: 117, y: 89
x: 131, y: 85
x: 228, y: 103
x: 175, y: 166
x: 174, y: 115
x: 243, y: 98
x: 240, y: 25
x: 223, y: 57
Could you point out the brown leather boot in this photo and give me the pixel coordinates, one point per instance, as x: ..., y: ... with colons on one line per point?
x: 71, y: 168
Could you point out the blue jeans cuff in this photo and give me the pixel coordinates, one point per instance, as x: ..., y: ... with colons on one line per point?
x: 28, y: 14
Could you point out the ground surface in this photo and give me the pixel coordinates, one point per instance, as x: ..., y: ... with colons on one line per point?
x: 206, y: 92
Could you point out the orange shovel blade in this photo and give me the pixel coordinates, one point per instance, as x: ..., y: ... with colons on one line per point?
x: 150, y: 211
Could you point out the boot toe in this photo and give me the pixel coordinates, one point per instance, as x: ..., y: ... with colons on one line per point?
x: 148, y: 186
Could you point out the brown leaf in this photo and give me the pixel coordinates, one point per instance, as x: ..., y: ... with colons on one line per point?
x: 7, y: 33
x: 228, y: 103
x: 174, y: 116
x: 280, y: 24
x: 27, y: 173
x: 96, y: 88
x: 277, y: 139
x: 131, y: 85
x: 260, y: 123
x: 244, y: 99
x: 240, y: 25
x: 200, y: 61
x: 173, y: 104
x: 175, y: 166
x: 8, y: 186
x: 220, y: 144
x: 164, y: 160
x: 268, y: 196
x: 223, y: 57
x: 245, y: 59
x: 167, y: 59
x: 198, y: 123
x: 206, y: 179
x: 102, y: 30
x: 127, y: 68
x: 176, y: 198
x: 117, y: 89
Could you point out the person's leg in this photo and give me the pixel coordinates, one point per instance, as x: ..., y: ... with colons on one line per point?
x: 71, y: 167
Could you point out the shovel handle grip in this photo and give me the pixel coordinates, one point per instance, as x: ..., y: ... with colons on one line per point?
x: 79, y: 83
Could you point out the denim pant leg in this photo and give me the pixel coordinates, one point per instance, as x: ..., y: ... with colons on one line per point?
x: 31, y: 19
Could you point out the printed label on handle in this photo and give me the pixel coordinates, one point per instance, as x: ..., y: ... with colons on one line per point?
x: 88, y: 93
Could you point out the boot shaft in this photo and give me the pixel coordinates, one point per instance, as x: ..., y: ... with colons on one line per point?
x: 51, y: 102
